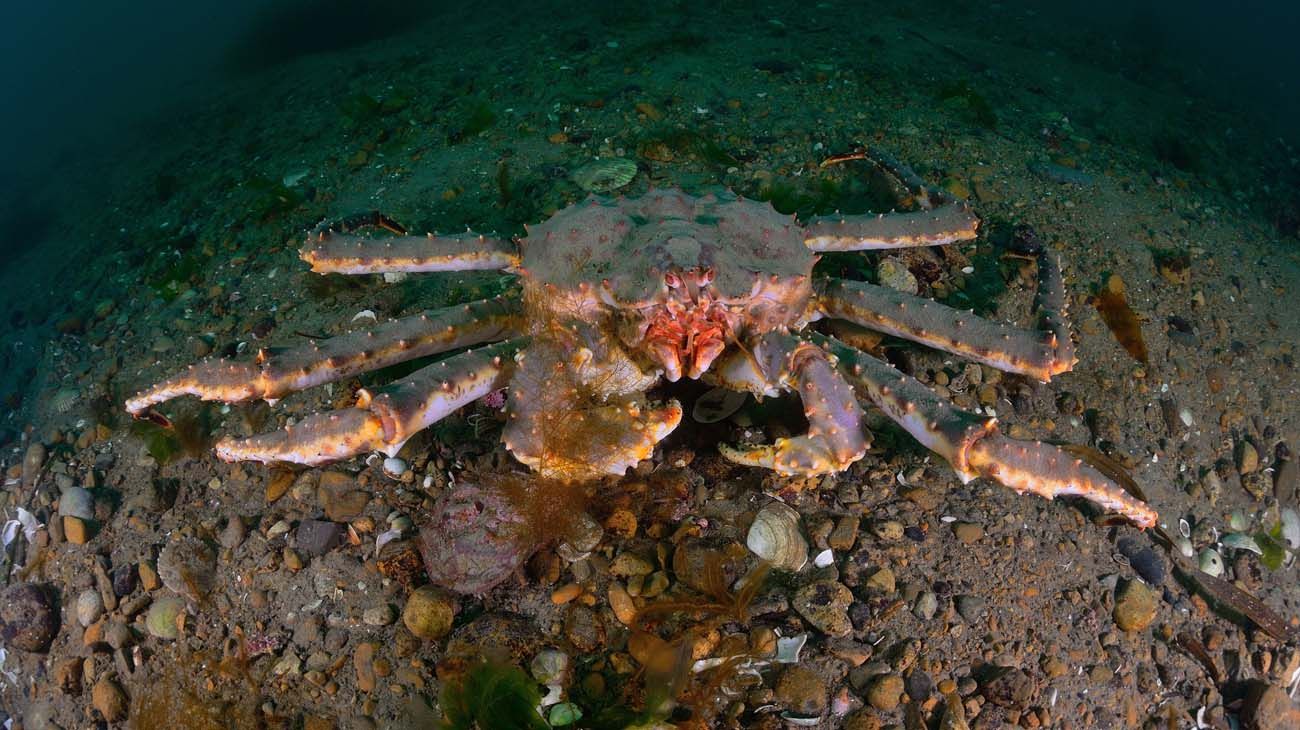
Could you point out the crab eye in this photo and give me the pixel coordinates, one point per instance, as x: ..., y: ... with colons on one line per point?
x: 706, y: 277
x: 673, y: 280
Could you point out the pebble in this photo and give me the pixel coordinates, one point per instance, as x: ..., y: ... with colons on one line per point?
x: 970, y: 608
x: 90, y: 606
x: 885, y: 692
x: 76, y: 530
x: 149, y: 579
x: 583, y: 629
x: 429, y: 612
x: 1268, y: 707
x: 109, y: 699
x: 881, y: 582
x: 125, y: 579
x: 163, y: 344
x: 234, y: 532
x: 802, y: 691
x: 825, y: 605
x: 381, y: 615
x: 628, y: 564
x: 889, y: 530
x: 926, y: 605
x: 894, y: 274
x: 919, y: 685
x: 317, y: 537
x: 363, y: 659
x: 1008, y: 687
x: 77, y: 502
x: 1247, y: 458
x: 1135, y: 606
x: 28, y: 619
x: 621, y: 604
x: 340, y: 498
x: 968, y: 532
x: 1144, y: 560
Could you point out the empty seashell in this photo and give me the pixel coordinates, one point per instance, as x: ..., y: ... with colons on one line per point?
x: 824, y: 558
x: 717, y: 404
x: 365, y: 314
x: 1291, y: 528
x: 1238, y: 541
x: 1237, y: 521
x: 394, y: 467
x: 776, y: 538
x: 1184, y: 546
x: 1211, y: 562
x: 604, y: 176
x: 1184, y: 528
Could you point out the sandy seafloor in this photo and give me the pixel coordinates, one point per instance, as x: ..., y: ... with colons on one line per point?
x: 183, y: 242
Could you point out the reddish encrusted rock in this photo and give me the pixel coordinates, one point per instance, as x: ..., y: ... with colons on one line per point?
x: 475, y: 539
x: 28, y: 617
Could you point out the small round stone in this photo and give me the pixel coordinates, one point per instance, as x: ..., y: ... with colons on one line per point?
x: 1135, y: 606
x: 885, y: 693
x: 381, y: 615
x: 90, y: 606
x: 77, y: 502
x: 429, y: 612
x: 802, y: 691
x: 109, y: 699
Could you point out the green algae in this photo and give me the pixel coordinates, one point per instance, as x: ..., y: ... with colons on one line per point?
x: 491, y: 696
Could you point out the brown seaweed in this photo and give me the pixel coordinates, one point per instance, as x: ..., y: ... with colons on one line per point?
x: 1120, y: 318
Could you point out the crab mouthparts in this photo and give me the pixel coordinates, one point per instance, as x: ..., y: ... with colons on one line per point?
x: 687, y: 340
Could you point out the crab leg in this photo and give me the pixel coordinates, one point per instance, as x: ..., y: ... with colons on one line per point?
x: 1040, y: 354
x: 339, y: 253
x: 973, y: 445
x: 278, y: 372
x: 836, y: 436
x: 577, y: 415
x: 941, y: 219
x: 385, y: 419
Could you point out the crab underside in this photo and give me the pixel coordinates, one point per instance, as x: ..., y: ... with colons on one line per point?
x: 621, y: 294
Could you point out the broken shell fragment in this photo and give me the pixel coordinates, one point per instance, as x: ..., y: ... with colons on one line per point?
x: 775, y: 537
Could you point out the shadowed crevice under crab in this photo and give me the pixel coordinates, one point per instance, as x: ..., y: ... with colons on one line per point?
x: 618, y: 294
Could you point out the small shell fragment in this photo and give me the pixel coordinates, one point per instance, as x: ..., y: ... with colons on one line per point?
x: 788, y: 648
x: 365, y: 314
x: 776, y: 538
x: 1291, y: 528
x: 824, y: 558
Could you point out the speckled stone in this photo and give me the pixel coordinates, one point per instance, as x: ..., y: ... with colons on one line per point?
x: 825, y: 605
x: 802, y: 691
x: 1135, y: 606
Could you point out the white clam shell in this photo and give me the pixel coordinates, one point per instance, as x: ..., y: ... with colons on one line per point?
x: 1211, y: 562
x: 776, y: 538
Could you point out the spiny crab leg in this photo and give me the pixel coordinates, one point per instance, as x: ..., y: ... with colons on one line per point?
x: 340, y: 253
x: 1040, y: 354
x: 385, y: 419
x: 972, y: 444
x: 941, y: 219
x: 278, y: 372
x: 836, y: 436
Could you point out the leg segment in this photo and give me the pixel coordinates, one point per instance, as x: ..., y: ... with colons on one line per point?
x: 339, y: 253
x: 972, y: 444
x: 576, y: 412
x: 940, y: 220
x: 384, y: 420
x: 1039, y: 354
x: 278, y: 372
x: 836, y: 436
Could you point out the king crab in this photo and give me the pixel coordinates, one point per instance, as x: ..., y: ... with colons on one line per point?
x: 619, y: 294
